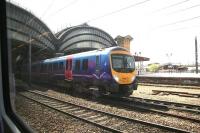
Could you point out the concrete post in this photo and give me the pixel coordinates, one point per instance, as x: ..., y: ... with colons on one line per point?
x: 29, y: 63
x: 196, y: 55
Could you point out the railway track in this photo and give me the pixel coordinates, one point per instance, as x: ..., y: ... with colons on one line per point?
x: 178, y: 93
x: 150, y: 107
x: 105, y: 120
x: 169, y: 85
x: 169, y: 80
x: 157, y: 104
x: 166, y: 104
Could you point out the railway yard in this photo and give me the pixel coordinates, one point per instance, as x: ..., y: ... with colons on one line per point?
x: 152, y: 108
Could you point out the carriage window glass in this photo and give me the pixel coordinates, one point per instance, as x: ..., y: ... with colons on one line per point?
x: 42, y: 67
x: 50, y: 67
x: 61, y: 65
x: 55, y: 66
x: 85, y: 64
x: 77, y: 65
x: 97, y: 63
x: 46, y: 67
x: 97, y: 60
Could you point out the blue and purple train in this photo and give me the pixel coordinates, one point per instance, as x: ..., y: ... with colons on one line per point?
x: 111, y: 70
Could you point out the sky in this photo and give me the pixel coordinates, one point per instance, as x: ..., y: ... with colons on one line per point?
x: 163, y: 30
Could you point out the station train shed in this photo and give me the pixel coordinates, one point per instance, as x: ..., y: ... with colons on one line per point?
x: 32, y: 40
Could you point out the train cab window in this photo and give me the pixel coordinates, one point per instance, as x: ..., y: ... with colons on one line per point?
x: 77, y: 65
x: 85, y: 64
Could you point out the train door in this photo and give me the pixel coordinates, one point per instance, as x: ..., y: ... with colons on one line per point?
x: 68, y: 69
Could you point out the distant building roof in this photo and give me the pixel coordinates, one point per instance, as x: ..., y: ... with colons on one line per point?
x: 120, y: 37
x: 129, y: 37
x: 140, y: 58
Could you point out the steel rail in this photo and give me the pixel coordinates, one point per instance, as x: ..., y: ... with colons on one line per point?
x: 167, y: 104
x: 145, y: 108
x: 160, y: 126
x: 160, y: 104
x: 170, y: 86
x: 74, y: 116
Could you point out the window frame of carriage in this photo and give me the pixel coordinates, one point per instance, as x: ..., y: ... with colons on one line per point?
x: 12, y: 122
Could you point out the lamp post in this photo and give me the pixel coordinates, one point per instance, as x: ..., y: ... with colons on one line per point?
x: 169, y: 62
x: 139, y: 62
x: 30, y: 54
x: 196, y: 55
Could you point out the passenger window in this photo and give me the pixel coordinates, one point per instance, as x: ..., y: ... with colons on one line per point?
x: 77, y: 65
x: 45, y: 68
x: 85, y: 64
x: 97, y: 60
x: 55, y: 66
x: 50, y: 67
x: 61, y: 65
x: 97, y: 63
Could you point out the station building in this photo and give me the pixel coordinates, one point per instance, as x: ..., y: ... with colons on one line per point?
x: 126, y: 42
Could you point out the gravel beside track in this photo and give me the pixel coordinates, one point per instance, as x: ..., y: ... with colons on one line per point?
x: 170, y: 86
x: 119, y: 123
x: 169, y: 121
x: 146, y: 92
x: 43, y: 119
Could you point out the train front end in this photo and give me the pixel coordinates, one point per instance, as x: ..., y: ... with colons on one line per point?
x: 123, y: 73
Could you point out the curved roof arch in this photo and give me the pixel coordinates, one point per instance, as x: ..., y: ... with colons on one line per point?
x: 24, y: 26
x: 84, y: 33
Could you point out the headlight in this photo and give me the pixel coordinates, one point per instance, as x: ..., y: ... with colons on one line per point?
x: 116, y: 78
x: 133, y: 78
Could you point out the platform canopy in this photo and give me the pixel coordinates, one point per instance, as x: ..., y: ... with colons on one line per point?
x: 25, y: 29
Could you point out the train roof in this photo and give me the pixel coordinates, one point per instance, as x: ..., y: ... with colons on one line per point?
x: 88, y: 53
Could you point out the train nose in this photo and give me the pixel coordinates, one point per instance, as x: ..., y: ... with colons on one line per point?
x: 124, y: 79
